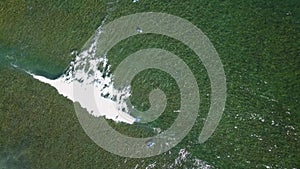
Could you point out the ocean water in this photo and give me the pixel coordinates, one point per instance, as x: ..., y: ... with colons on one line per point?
x: 256, y: 41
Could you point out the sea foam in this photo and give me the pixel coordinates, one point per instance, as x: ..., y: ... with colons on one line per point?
x: 84, y: 77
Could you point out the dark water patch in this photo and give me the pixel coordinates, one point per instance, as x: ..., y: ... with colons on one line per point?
x: 7, y: 56
x: 46, y: 74
x: 13, y: 158
x: 19, y: 59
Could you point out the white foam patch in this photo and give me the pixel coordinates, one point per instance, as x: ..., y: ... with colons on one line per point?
x: 185, y: 156
x: 183, y: 160
x: 84, y: 77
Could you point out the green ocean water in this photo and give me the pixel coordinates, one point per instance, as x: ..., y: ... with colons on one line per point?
x: 258, y: 44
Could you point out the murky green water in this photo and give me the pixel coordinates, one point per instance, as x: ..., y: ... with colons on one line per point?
x: 257, y: 42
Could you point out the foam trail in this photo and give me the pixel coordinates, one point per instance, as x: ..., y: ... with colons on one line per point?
x: 84, y: 75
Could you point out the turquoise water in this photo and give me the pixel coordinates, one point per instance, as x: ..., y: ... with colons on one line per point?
x: 18, y: 59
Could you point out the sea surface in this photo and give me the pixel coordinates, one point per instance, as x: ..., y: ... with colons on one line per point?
x: 257, y: 42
